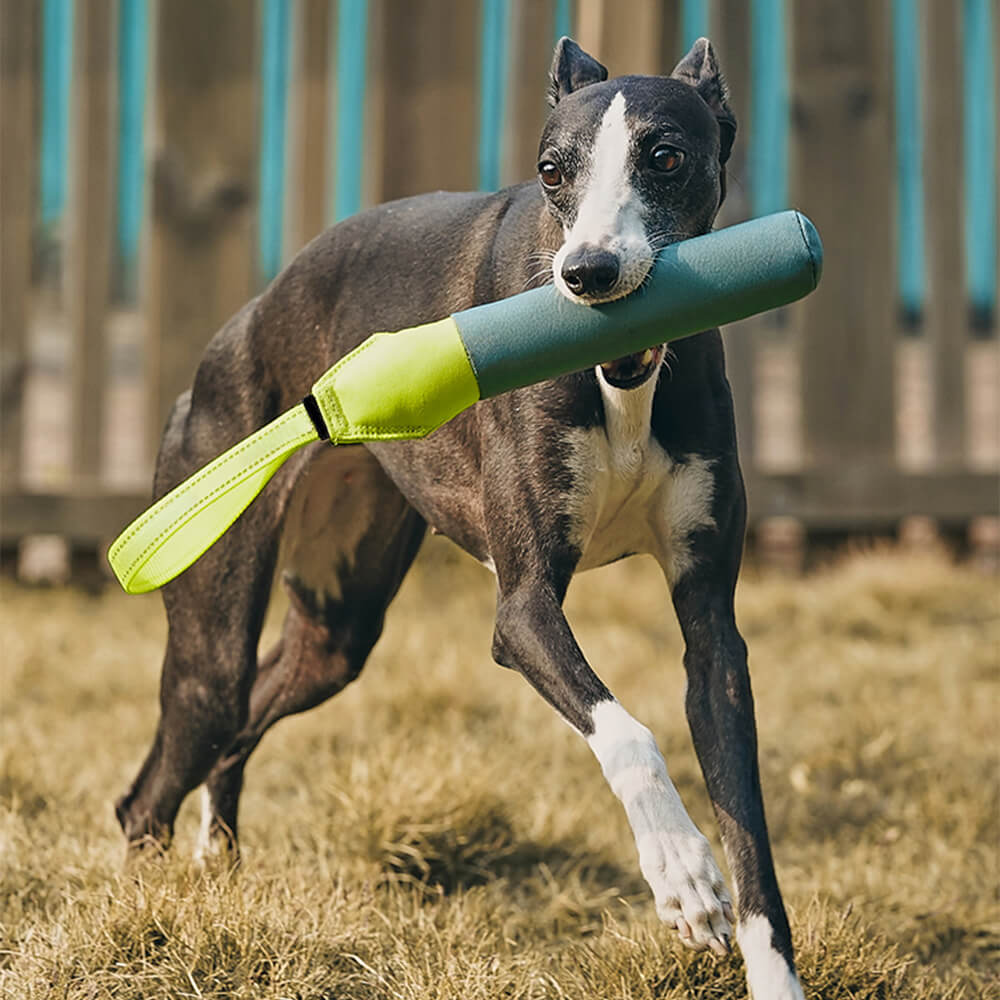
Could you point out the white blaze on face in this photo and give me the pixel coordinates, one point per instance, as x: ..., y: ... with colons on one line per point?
x: 609, y: 215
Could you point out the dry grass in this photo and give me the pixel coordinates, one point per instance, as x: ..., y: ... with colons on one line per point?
x: 435, y: 832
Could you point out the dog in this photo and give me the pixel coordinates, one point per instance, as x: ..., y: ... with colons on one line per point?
x: 635, y: 456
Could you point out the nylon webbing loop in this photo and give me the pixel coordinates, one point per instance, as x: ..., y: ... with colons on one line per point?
x: 175, y: 531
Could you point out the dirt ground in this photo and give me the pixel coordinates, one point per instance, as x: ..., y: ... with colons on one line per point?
x: 436, y: 832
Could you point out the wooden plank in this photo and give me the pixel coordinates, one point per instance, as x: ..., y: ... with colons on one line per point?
x: 866, y: 499
x: 946, y: 311
x: 531, y: 47
x: 428, y: 114
x: 842, y: 149
x: 199, y: 267
x: 375, y: 102
x: 309, y: 118
x: 84, y: 516
x: 17, y: 134
x: 88, y: 258
x: 632, y: 44
x: 730, y: 39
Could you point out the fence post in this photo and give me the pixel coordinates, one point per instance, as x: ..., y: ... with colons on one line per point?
x: 946, y: 313
x: 308, y: 118
x: 200, y: 265
x: 17, y: 136
x: 731, y: 40
x: 531, y: 43
x: 427, y: 118
x: 87, y: 262
x: 639, y: 43
x: 842, y: 161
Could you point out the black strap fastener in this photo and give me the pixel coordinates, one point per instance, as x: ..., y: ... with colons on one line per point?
x: 316, y: 416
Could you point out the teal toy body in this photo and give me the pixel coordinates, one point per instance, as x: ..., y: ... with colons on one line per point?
x: 694, y: 285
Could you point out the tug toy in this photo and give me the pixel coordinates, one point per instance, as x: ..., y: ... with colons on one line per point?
x: 409, y: 383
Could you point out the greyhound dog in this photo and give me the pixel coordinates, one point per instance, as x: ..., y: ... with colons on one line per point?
x: 635, y: 456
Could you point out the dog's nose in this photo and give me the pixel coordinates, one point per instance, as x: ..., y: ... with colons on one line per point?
x: 590, y: 272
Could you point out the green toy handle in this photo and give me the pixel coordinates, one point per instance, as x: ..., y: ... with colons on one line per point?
x: 407, y: 384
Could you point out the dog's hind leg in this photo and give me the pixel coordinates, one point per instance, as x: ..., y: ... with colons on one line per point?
x: 349, y: 539
x: 720, y: 713
x: 215, y: 610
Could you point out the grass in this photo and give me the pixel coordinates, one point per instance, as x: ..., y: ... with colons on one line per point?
x: 435, y: 832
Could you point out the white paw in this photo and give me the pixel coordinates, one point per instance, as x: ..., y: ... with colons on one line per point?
x: 769, y: 976
x: 688, y: 887
x: 674, y: 857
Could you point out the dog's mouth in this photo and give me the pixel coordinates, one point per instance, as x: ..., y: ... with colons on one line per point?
x: 632, y: 370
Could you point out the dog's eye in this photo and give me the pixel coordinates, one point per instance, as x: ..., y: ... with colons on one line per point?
x: 666, y: 159
x: 550, y: 174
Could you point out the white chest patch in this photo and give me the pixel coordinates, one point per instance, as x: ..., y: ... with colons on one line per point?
x: 629, y: 496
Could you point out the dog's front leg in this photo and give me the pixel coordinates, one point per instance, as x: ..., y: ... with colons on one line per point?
x: 533, y: 636
x: 720, y: 713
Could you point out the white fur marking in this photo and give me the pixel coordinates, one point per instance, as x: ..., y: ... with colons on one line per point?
x: 628, y: 495
x: 674, y: 857
x: 768, y: 974
x: 610, y: 213
x: 205, y: 847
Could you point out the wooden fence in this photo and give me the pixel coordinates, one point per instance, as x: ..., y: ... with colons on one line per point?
x: 204, y: 141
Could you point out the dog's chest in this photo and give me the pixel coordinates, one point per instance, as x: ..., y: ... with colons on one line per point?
x: 628, y: 495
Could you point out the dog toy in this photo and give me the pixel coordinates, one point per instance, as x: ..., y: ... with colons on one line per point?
x: 409, y: 383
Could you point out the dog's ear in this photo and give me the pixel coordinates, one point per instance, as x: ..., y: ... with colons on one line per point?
x: 572, y: 69
x: 700, y: 69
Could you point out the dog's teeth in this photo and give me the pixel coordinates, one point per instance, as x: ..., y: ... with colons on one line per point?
x: 647, y: 356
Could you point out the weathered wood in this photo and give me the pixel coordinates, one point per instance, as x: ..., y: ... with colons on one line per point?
x: 88, y: 257
x: 822, y: 500
x: 946, y: 313
x: 308, y: 119
x: 531, y: 35
x: 857, y: 498
x: 199, y: 267
x: 89, y: 515
x: 625, y: 44
x: 427, y: 118
x: 374, y: 140
x: 18, y: 37
x: 842, y: 156
x: 730, y: 39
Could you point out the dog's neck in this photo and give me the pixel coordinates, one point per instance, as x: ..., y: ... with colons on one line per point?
x: 627, y: 417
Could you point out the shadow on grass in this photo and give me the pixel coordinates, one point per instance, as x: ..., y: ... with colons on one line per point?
x: 470, y: 847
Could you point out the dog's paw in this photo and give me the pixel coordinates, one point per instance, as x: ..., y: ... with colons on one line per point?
x: 688, y: 887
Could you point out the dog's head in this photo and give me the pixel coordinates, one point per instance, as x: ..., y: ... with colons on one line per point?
x: 627, y: 166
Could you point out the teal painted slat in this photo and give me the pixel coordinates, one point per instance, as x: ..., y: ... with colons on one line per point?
x: 492, y: 89
x: 352, y: 33
x: 563, y: 21
x: 910, y: 259
x: 694, y: 22
x: 57, y: 66
x: 132, y: 74
x: 274, y: 99
x: 768, y: 152
x: 980, y: 141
